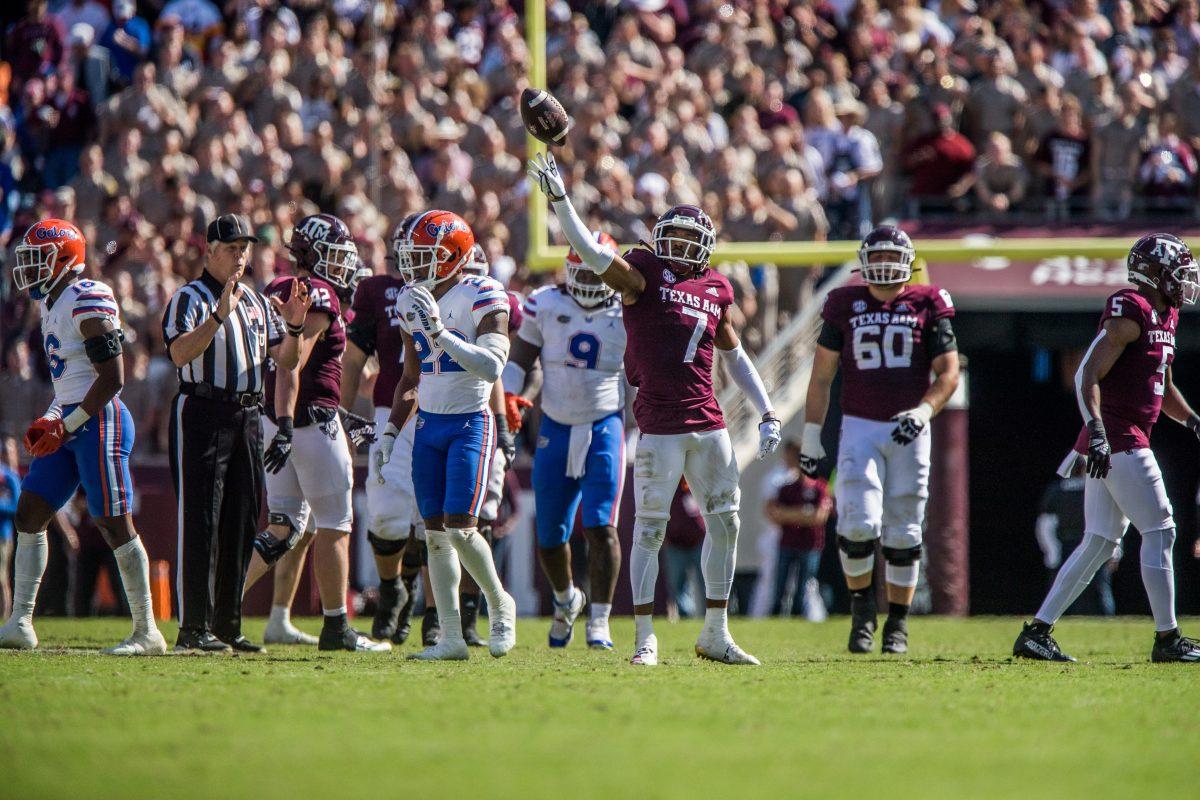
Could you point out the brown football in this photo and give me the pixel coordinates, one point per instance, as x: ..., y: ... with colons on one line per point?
x: 544, y: 116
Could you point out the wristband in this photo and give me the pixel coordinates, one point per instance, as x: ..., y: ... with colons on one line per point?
x: 76, y: 419
x: 293, y: 330
x: 217, y: 318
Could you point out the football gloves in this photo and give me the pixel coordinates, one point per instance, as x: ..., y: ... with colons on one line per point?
x: 911, y: 423
x: 770, y: 434
x: 544, y: 172
x: 811, y: 449
x: 1099, y: 453
x: 423, y: 312
x: 277, y: 452
x: 384, y: 454
x: 45, y: 436
x: 514, y: 410
x: 506, y: 440
x: 360, y: 431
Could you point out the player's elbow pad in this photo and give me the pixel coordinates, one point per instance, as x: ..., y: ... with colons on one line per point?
x: 744, y: 374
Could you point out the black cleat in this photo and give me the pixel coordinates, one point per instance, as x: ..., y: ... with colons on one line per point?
x: 404, y: 620
x: 862, y: 622
x: 469, y: 603
x: 895, y: 635
x: 347, y: 638
x: 431, y: 629
x: 1175, y: 649
x: 392, y: 597
x: 241, y: 644
x: 200, y: 642
x: 1035, y: 642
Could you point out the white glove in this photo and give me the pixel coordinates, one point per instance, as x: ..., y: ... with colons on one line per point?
x: 423, y: 312
x: 383, y: 455
x: 770, y: 434
x: 544, y: 172
x: 811, y: 449
x: 912, y: 422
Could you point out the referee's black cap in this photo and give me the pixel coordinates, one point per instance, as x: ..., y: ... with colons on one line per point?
x: 230, y: 228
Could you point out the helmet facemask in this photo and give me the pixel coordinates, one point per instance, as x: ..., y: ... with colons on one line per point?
x: 684, y: 241
x: 887, y: 272
x: 336, y: 262
x: 1182, y: 284
x: 586, y: 287
x: 418, y: 264
x: 35, y: 265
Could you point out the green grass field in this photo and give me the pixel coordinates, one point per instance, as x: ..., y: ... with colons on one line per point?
x: 957, y: 719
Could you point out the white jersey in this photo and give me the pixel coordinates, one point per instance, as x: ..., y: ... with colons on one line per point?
x: 583, y: 354
x: 447, y: 388
x: 70, y: 368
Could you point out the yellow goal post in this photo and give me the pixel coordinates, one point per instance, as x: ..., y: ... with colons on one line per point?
x: 542, y: 256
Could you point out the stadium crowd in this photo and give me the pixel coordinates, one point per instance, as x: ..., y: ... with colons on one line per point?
x: 785, y: 120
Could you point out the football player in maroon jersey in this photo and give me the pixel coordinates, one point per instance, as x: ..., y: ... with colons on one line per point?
x: 1122, y: 384
x: 885, y: 336
x: 676, y: 312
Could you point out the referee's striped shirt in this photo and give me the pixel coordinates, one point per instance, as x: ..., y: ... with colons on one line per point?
x: 236, y: 357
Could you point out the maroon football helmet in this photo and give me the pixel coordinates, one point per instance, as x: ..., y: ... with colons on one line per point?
x: 890, y: 271
x: 1165, y: 262
x: 322, y: 244
x: 685, y: 237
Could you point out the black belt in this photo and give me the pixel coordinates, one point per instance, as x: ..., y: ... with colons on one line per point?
x: 210, y: 392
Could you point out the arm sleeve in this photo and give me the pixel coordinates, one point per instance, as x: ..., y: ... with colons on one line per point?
x: 831, y: 337
x: 744, y: 374
x: 485, y: 360
x: 596, y: 256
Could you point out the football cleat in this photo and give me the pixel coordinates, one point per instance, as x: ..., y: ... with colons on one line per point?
x: 404, y: 621
x: 469, y: 616
x: 392, y: 597
x: 862, y: 622
x: 562, y: 629
x: 646, y: 655
x: 190, y: 641
x: 598, y: 636
x: 17, y: 634
x: 1035, y: 642
x: 503, y: 624
x: 446, y: 650
x: 350, y: 640
x: 1178, y: 649
x: 286, y: 633
x: 895, y: 635
x: 431, y: 627
x: 147, y: 643
x: 724, y: 650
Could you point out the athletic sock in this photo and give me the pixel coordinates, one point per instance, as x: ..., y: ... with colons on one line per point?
x: 135, y: 577
x: 445, y: 575
x: 33, y: 551
x: 476, y: 557
x: 601, y: 611
x: 563, y: 598
x: 644, y: 627
x: 897, y: 611
x: 281, y: 616
x: 1158, y: 575
x: 716, y: 622
x: 335, y: 618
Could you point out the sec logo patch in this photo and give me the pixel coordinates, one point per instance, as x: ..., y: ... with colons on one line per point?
x: 669, y: 276
x: 860, y: 306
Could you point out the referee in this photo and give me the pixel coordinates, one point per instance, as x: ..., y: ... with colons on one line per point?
x: 220, y: 333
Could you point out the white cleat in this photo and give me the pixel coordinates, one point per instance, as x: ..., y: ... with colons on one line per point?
x: 562, y: 629
x: 445, y: 650
x: 17, y: 634
x: 286, y: 633
x: 503, y: 624
x: 724, y: 650
x: 598, y: 637
x: 647, y: 653
x: 147, y: 643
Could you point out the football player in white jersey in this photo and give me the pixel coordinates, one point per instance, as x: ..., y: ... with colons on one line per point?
x: 455, y: 346
x: 576, y: 331
x: 84, y: 438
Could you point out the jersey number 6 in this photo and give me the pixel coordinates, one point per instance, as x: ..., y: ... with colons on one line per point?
x: 893, y: 349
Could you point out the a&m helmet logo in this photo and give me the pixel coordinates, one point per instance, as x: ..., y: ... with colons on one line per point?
x: 315, y: 228
x: 859, y: 306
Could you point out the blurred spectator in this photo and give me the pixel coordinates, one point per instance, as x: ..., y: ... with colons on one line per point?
x: 1000, y: 176
x: 940, y: 164
x: 70, y: 13
x: 1168, y: 171
x: 1064, y: 160
x: 997, y: 102
x: 34, y: 44
x: 685, y: 535
x: 800, y: 509
x: 1117, y: 148
x: 10, y: 491
x: 127, y: 40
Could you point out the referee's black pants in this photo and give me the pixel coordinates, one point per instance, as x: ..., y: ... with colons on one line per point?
x: 216, y: 461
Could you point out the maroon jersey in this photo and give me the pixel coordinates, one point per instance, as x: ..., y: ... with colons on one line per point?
x: 376, y: 331
x: 321, y: 376
x: 885, y: 356
x: 1131, y: 393
x: 669, y: 356
x: 803, y: 491
x: 515, y: 313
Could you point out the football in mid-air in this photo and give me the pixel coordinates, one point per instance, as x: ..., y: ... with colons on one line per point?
x: 544, y: 116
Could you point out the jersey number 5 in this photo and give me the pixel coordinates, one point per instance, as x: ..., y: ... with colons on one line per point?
x: 1160, y: 383
x: 893, y: 349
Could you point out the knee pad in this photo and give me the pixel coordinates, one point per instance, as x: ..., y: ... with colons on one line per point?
x: 271, y: 549
x: 902, y: 556
x: 856, y: 549
x: 649, y: 533
x: 385, y: 547
x: 1157, y: 549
